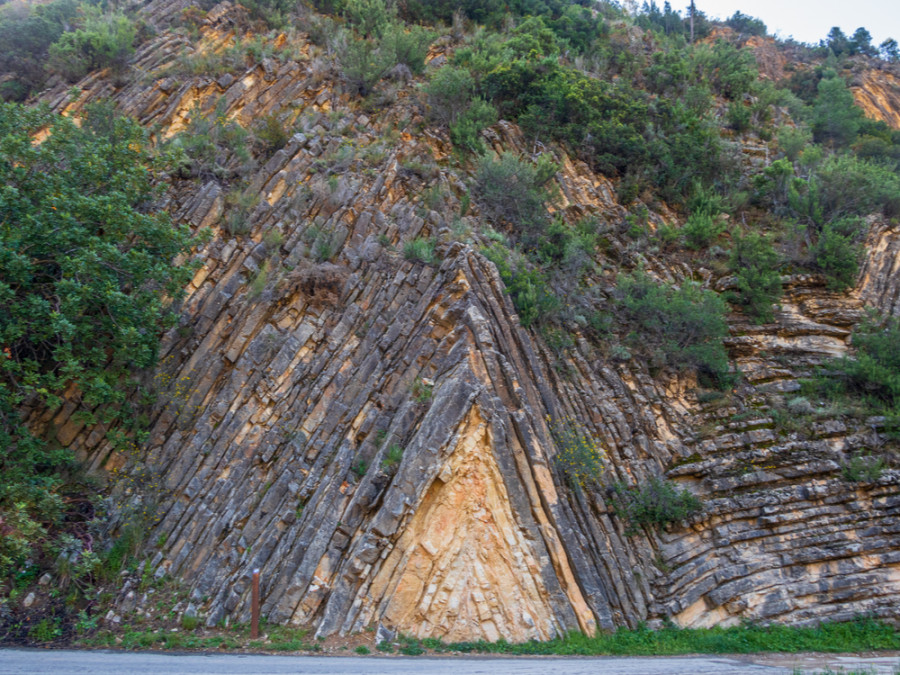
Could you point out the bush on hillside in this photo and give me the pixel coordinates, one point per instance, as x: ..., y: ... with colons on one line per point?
x: 102, y: 41
x: 755, y: 264
x: 683, y: 326
x: 513, y: 192
x: 657, y: 503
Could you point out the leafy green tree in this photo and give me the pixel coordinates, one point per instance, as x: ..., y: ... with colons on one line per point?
x: 837, y: 42
x: 87, y: 284
x: 890, y: 52
x: 746, y: 25
x: 755, y: 263
x: 850, y: 186
x: 837, y: 254
x: 861, y: 43
x: 449, y: 93
x: 835, y: 117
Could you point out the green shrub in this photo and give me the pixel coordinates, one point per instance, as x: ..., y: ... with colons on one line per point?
x: 701, y: 229
x: 362, y: 650
x: 392, y: 458
x: 684, y: 326
x: 239, y: 204
x: 755, y: 265
x: 271, y: 134
x: 363, y: 62
x: 370, y: 18
x: 793, y: 140
x: 568, y: 249
x: 838, y: 256
x: 448, y: 94
x: 514, y: 192
x: 528, y: 288
x: 863, y: 469
x: 209, y: 143
x: 465, y: 132
x: 45, y: 630
x: 189, y: 623
x: 421, y: 391
x: 323, y: 247
x: 408, y: 44
x: 729, y: 71
x: 872, y: 375
x: 738, y: 116
x: 849, y: 186
x: 656, y: 503
x: 260, y: 279
x: 210, y: 63
x: 273, y: 13
x: 359, y: 468
x: 613, y: 126
x: 102, y: 41
x: 421, y: 249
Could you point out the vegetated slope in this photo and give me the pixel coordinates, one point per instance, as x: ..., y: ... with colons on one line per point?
x: 351, y: 402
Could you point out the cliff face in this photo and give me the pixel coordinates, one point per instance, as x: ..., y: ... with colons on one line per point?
x: 879, y: 96
x: 291, y: 386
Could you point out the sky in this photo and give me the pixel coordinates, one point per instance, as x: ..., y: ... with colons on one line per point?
x: 810, y: 20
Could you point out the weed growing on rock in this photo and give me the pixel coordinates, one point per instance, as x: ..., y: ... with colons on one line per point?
x: 420, y: 249
x: 578, y: 454
x: 259, y: 280
x: 392, y: 458
x: 190, y: 622
x: 863, y: 469
x: 421, y: 390
x: 656, y: 503
x: 359, y: 468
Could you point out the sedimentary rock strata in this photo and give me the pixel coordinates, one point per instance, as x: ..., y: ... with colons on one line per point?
x: 294, y: 379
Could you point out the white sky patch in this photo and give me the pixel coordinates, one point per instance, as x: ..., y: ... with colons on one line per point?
x: 809, y: 20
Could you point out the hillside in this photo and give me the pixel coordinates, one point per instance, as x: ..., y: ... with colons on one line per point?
x: 521, y: 333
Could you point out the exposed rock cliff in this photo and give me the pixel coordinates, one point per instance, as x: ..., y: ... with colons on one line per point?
x: 282, y: 401
x: 878, y: 95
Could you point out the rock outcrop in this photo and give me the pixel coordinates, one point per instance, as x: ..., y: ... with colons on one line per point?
x: 878, y: 94
x: 375, y: 434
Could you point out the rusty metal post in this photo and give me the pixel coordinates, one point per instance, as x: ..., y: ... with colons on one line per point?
x: 254, y: 610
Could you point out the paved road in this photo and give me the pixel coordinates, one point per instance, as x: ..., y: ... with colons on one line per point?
x: 34, y: 662
x: 63, y: 662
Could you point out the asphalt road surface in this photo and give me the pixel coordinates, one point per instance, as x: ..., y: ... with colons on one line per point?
x: 37, y: 662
